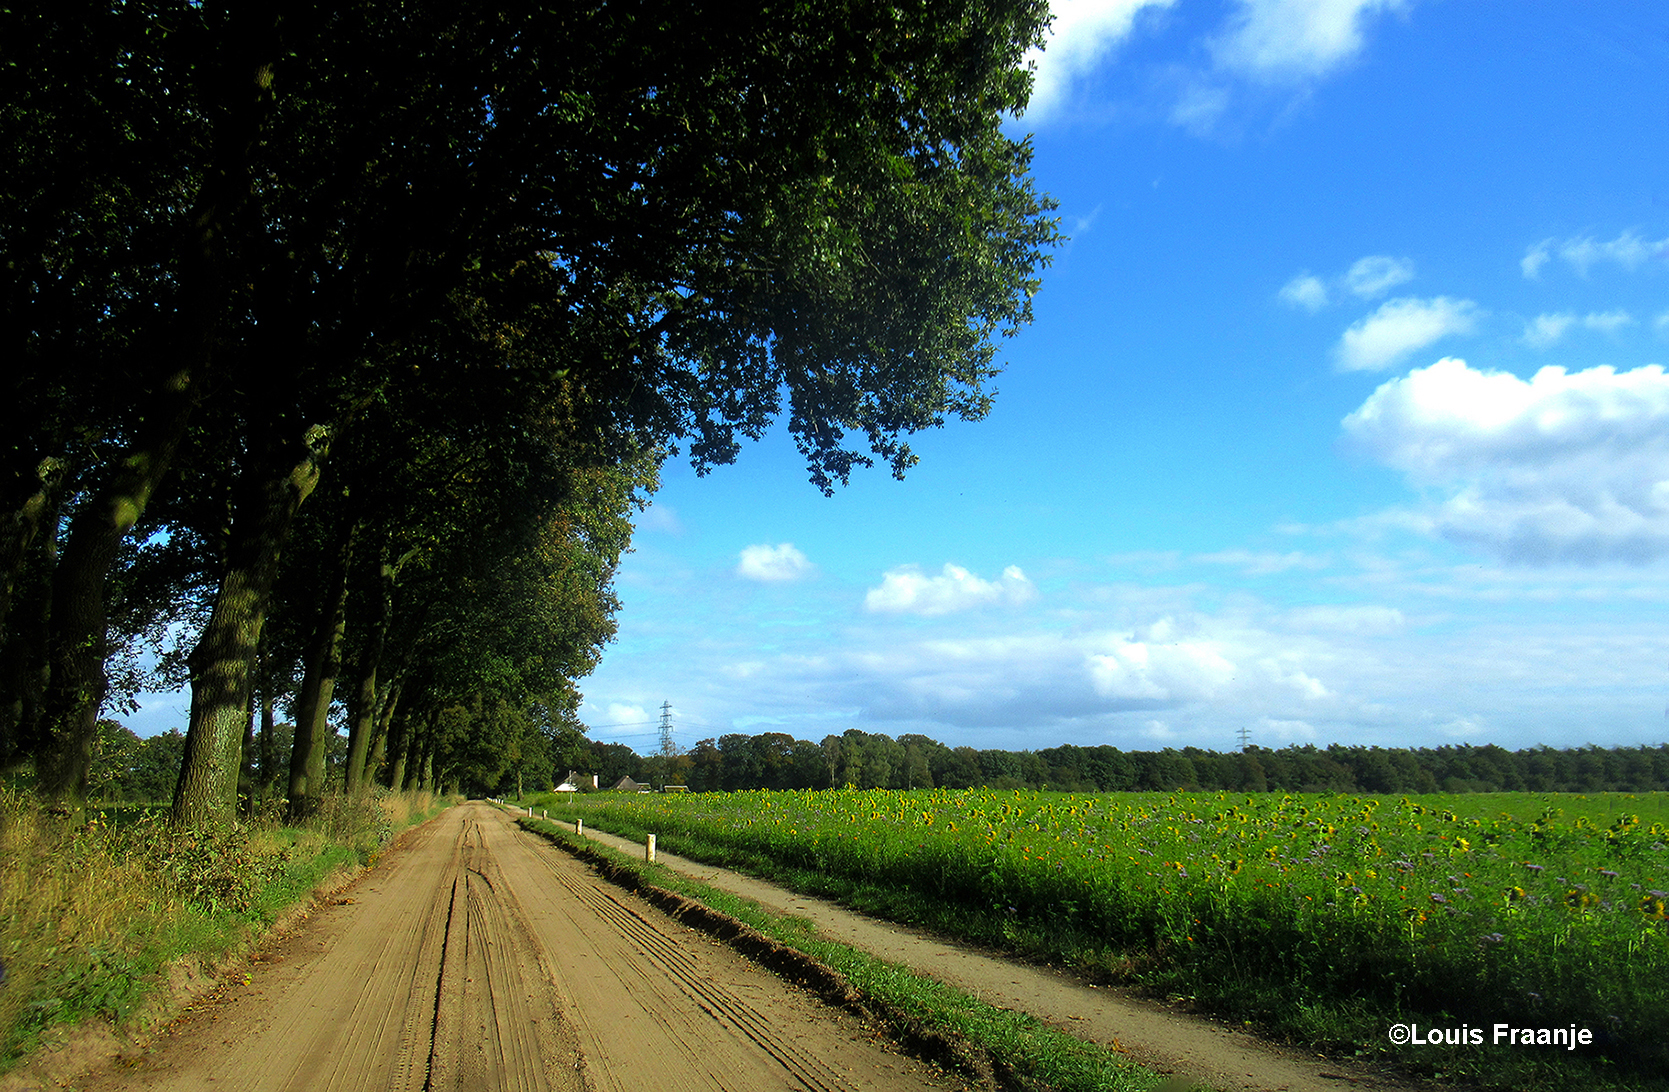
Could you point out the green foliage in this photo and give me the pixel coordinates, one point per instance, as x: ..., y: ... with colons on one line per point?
x: 127, y: 768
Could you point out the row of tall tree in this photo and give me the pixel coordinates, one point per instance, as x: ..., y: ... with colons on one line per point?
x: 345, y: 340
x: 507, y: 753
x: 774, y: 760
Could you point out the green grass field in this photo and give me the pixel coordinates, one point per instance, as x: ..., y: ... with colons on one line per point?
x: 1325, y: 918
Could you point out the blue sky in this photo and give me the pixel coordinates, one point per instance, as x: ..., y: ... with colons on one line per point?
x: 1342, y: 418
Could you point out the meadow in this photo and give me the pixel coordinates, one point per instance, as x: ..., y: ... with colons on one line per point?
x: 1324, y: 918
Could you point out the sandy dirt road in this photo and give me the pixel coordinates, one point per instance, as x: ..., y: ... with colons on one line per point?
x: 1171, y: 1042
x: 478, y: 957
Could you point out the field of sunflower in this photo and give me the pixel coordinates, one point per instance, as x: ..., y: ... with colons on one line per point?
x: 1531, y: 908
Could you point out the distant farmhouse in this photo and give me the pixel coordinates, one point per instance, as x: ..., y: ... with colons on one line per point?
x: 626, y: 784
x: 574, y: 782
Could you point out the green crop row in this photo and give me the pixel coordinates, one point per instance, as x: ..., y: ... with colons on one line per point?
x: 1541, y: 911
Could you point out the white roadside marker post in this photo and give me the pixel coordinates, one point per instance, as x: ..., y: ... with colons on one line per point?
x: 649, y: 850
x: 579, y: 828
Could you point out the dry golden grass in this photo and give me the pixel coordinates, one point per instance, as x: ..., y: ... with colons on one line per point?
x: 90, y: 914
x: 71, y: 915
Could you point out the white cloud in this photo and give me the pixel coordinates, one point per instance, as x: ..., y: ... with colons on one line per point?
x: 1400, y: 327
x: 1377, y: 274
x: 1363, y: 620
x: 1080, y: 37
x: 1306, y: 291
x: 1294, y: 40
x: 660, y: 517
x: 1200, y: 103
x: 1131, y: 670
x: 1608, y: 322
x: 1545, y: 330
x: 1263, y: 563
x: 907, y: 590
x: 773, y: 564
x: 1562, y: 467
x: 1630, y: 250
x: 1534, y: 259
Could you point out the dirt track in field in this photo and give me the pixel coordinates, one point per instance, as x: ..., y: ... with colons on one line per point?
x: 1171, y: 1042
x: 477, y: 957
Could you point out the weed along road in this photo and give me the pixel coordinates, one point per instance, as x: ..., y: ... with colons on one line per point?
x: 475, y: 956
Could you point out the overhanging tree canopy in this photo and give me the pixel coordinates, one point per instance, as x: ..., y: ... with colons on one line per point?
x: 663, y: 221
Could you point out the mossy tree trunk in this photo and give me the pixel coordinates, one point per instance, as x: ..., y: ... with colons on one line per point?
x: 363, y: 719
x: 30, y: 551
x: 77, y: 636
x: 223, y: 661
x: 318, y: 688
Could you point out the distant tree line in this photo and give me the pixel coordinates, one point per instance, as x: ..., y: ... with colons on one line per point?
x: 867, y: 760
x: 502, y: 749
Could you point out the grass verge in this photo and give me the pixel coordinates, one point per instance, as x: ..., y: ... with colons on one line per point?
x: 993, y: 1047
x: 96, y: 916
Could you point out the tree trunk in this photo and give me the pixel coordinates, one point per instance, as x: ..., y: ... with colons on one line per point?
x: 223, y: 660
x: 77, y: 638
x: 379, y: 740
x: 363, y: 722
x: 318, y: 687
x: 19, y: 530
x: 24, y: 672
x: 402, y: 745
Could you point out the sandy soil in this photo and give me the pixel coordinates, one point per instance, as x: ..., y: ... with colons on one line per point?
x: 477, y: 957
x: 1171, y: 1042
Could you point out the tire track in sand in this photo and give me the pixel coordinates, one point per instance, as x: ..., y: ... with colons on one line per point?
x: 682, y: 968
x: 476, y: 957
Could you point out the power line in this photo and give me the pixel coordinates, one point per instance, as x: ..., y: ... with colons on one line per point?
x: 668, y: 748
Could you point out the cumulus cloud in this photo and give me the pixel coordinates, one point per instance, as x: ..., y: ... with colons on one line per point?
x: 1562, y: 467
x: 1630, y: 250
x: 1082, y: 34
x: 1377, y: 274
x: 773, y: 564
x: 1306, y: 291
x: 1400, y: 327
x: 1171, y: 663
x: 1285, y: 41
x: 907, y: 590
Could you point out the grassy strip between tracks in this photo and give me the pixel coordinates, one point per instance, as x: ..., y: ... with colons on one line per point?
x: 995, y: 1047
x: 105, y: 919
